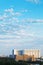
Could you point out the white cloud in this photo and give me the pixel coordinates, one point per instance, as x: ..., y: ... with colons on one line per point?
x: 34, y: 1
x: 1, y: 17
x: 30, y: 20
x: 12, y: 17
x: 17, y: 14
x: 12, y: 12
x: 15, y: 29
x: 25, y: 10
x: 15, y: 19
x: 9, y: 10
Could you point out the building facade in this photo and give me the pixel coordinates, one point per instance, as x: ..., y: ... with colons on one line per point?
x: 36, y: 53
x: 26, y: 54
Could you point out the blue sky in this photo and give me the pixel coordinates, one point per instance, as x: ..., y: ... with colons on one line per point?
x: 21, y: 25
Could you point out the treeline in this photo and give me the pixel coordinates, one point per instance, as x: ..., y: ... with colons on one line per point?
x: 10, y: 61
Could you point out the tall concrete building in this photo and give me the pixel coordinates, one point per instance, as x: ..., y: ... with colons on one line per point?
x: 32, y: 52
x: 25, y: 54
